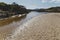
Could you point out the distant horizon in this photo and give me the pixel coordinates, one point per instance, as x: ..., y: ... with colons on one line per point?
x: 34, y: 4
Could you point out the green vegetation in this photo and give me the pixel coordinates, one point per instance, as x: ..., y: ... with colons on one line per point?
x: 11, y: 9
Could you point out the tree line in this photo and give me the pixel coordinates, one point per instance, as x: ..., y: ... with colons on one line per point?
x: 51, y: 9
x: 14, y: 7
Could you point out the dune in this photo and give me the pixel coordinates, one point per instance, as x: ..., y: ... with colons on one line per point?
x: 42, y: 27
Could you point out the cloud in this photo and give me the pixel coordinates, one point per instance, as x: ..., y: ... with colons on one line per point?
x: 44, y: 1
x: 56, y: 1
x: 49, y: 1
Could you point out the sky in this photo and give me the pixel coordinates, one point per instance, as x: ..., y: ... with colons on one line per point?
x: 34, y: 4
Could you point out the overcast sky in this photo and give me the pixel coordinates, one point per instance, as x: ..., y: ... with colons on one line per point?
x: 32, y: 4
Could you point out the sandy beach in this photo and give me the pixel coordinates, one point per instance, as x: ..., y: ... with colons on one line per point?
x: 43, y: 27
x: 7, y: 26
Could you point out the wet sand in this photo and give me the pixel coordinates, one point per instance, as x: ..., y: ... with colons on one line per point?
x: 43, y: 27
x: 8, y: 25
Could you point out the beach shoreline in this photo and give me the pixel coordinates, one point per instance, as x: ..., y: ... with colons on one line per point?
x: 43, y: 27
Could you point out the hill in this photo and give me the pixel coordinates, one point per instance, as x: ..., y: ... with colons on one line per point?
x: 7, y: 10
x: 52, y: 9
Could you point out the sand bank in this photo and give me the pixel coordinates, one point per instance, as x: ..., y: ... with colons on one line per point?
x: 43, y: 27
